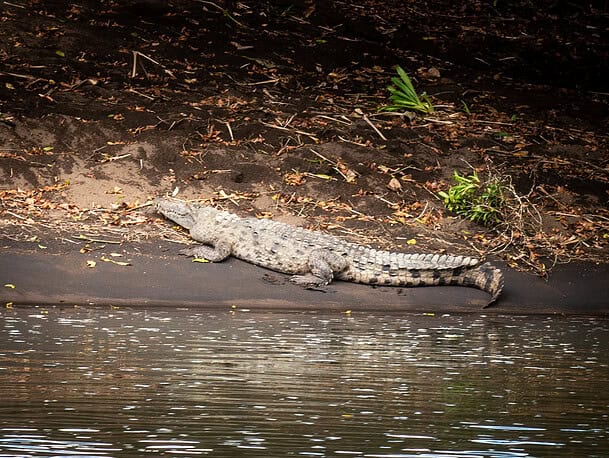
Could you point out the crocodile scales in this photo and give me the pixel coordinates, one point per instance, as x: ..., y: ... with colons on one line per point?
x: 315, y: 258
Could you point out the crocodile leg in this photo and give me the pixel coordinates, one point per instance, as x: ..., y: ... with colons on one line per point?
x: 322, y: 264
x: 214, y: 254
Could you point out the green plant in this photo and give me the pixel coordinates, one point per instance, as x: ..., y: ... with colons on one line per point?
x: 466, y: 108
x: 404, y: 97
x: 481, y: 202
x: 513, y: 217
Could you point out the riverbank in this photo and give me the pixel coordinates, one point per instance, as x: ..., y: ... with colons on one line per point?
x: 275, y: 113
x: 140, y: 276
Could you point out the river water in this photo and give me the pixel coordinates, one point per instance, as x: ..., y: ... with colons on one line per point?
x: 134, y: 382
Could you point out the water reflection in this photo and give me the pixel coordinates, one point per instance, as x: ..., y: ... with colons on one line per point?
x: 91, y: 382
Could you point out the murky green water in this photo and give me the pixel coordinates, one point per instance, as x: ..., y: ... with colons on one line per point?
x: 130, y: 383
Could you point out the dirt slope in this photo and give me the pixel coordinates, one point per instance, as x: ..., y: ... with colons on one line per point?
x: 271, y: 108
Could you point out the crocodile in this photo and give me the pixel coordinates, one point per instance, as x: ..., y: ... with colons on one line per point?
x: 315, y: 258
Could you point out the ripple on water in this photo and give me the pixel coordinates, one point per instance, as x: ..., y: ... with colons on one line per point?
x: 92, y: 382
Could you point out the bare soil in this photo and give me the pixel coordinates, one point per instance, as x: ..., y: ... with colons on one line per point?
x: 272, y: 109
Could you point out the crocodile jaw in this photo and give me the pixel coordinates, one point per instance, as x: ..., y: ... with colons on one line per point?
x: 178, y: 212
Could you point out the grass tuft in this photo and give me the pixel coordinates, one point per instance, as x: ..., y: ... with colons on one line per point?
x: 404, y: 97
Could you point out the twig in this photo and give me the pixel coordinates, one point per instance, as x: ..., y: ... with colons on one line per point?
x: 408, y: 114
x: 230, y: 131
x: 347, y: 123
x: 17, y: 75
x: 321, y: 156
x: 302, y: 132
x: 480, y: 121
x: 147, y: 204
x: 287, y: 121
x: 547, y: 194
x: 317, y: 175
x: 382, y: 199
x: 15, y: 215
x: 68, y: 240
x: 134, y: 67
x: 116, y: 158
x: 268, y: 94
x: 438, y: 121
x: 346, y: 140
x: 380, y: 134
x: 137, y: 53
x: 274, y: 80
x: 140, y: 94
x: 423, y: 212
x: 337, y: 167
x: 90, y: 239
x: 223, y: 195
x: 14, y: 5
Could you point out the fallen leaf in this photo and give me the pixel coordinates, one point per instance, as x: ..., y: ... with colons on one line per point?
x: 294, y: 178
x: 348, y: 174
x: 433, y: 72
x: 118, y: 263
x: 395, y: 185
x: 115, y: 190
x: 9, y: 285
x: 91, y: 264
x: 323, y: 176
x: 200, y: 260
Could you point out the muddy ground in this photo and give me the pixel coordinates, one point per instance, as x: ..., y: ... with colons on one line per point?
x: 271, y: 109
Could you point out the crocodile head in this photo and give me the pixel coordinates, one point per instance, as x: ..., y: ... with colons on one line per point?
x: 179, y: 212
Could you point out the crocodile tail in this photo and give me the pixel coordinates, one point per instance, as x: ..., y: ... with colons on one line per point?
x: 485, y: 277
